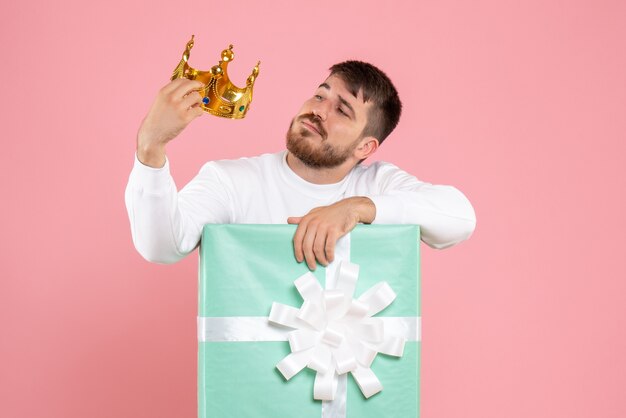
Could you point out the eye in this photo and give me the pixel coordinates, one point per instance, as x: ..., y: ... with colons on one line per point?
x: 318, y: 97
x: 342, y: 111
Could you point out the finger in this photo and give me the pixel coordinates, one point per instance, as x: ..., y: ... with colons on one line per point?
x: 298, y: 237
x: 193, y: 98
x: 294, y: 220
x: 174, y: 84
x: 186, y: 87
x: 307, y: 246
x: 196, y: 111
x: 319, y: 247
x: 331, y: 241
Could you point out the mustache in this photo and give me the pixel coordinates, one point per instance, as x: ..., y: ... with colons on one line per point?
x: 313, y: 120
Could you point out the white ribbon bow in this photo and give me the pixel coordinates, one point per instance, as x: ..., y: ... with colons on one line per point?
x: 335, y: 334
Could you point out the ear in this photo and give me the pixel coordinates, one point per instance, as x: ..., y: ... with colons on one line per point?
x: 367, y: 146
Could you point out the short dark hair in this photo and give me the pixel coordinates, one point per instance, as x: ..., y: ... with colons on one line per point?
x: 383, y: 117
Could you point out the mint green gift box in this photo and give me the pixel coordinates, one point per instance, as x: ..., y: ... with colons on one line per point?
x: 244, y: 268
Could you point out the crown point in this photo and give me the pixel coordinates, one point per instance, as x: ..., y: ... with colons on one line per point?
x: 228, y: 54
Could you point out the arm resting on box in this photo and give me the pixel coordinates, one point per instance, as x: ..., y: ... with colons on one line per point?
x: 445, y: 215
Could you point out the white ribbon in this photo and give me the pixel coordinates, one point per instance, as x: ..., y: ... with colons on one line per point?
x: 257, y: 328
x: 336, y: 334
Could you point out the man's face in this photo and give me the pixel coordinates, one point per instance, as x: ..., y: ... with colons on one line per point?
x: 328, y: 127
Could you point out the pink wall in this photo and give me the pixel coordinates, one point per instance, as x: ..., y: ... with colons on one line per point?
x: 520, y: 104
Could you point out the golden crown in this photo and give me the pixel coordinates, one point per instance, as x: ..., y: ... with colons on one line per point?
x: 221, y: 97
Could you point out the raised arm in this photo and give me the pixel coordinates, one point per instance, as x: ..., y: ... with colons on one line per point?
x: 165, y: 224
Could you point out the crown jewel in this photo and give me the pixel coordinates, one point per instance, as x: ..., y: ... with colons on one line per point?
x: 220, y: 96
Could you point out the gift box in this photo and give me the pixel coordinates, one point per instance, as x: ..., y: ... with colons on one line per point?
x: 248, y: 272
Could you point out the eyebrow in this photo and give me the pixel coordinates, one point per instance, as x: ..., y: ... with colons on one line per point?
x: 341, y: 99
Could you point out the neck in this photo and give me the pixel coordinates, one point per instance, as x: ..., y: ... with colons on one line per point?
x: 319, y: 175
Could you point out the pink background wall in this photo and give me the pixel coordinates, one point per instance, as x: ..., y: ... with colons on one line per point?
x: 520, y: 104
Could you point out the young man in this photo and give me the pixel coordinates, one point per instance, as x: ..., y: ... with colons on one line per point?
x: 318, y: 183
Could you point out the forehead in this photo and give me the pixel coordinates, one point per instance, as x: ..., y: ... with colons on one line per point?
x: 335, y: 86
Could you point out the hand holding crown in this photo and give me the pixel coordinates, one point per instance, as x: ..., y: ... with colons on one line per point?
x: 190, y: 94
x: 176, y: 105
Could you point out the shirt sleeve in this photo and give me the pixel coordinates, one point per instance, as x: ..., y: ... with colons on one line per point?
x: 445, y: 216
x: 166, y: 224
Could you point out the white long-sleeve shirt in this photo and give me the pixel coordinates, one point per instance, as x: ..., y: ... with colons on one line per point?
x: 167, y: 225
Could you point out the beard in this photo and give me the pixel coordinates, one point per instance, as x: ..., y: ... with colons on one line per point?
x: 300, y: 142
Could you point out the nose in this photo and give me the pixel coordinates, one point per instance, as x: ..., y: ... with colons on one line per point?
x: 321, y: 110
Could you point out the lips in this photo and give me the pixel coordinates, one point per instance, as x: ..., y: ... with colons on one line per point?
x: 313, y: 126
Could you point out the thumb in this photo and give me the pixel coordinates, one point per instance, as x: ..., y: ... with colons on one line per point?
x: 294, y: 220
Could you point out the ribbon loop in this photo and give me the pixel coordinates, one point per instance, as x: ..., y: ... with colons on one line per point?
x: 308, y: 286
x: 301, y: 339
x: 356, y: 311
x: 365, y: 355
x: 344, y: 359
x: 322, y: 357
x: 335, y: 303
x: 294, y: 362
x: 347, y: 276
x: 392, y: 346
x: 285, y: 315
x: 312, y: 314
x: 332, y: 337
x: 378, y: 297
x: 367, y: 381
x: 325, y: 386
